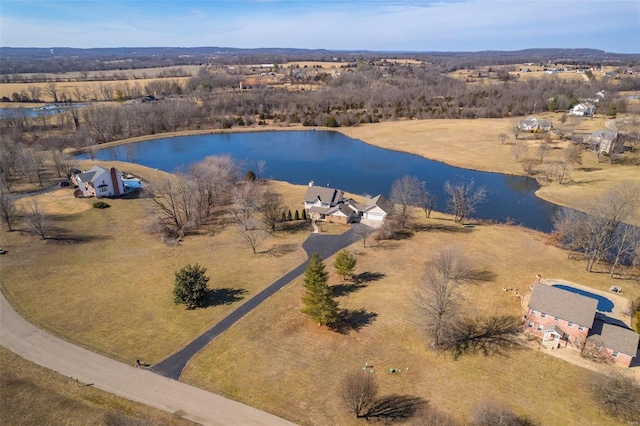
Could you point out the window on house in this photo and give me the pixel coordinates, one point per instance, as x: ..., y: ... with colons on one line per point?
x: 533, y: 312
x: 570, y: 324
x: 539, y: 327
x: 615, y: 354
x: 543, y: 315
x: 530, y: 324
x: 580, y: 328
x: 556, y: 319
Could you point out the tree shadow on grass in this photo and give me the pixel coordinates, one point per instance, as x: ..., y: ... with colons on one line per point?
x: 280, y: 250
x: 339, y: 290
x: 457, y: 228
x: 367, y: 277
x: 224, y: 296
x: 353, y: 319
x: 395, y: 407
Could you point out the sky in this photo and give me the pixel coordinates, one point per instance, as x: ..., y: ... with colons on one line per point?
x: 378, y: 25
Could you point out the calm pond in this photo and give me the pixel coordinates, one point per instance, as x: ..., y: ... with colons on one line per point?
x: 330, y: 158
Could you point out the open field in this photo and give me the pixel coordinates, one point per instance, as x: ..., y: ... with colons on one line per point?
x: 31, y: 394
x: 474, y: 144
x: 106, y: 284
x: 277, y: 347
x: 80, y: 91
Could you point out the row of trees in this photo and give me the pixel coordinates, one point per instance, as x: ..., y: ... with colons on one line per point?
x: 602, y: 232
x: 410, y: 191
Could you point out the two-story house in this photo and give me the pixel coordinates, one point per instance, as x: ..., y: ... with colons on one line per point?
x: 567, y: 319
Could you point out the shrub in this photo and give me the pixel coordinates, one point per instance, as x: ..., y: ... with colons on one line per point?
x: 100, y: 205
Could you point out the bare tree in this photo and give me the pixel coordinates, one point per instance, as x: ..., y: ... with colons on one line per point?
x: 463, y: 198
x: 252, y: 236
x: 51, y: 89
x: 593, y: 233
x: 246, y: 202
x: 541, y: 151
x: 406, y: 192
x: 438, y: 296
x: 572, y: 155
x: 272, y: 208
x: 362, y: 233
x: 8, y: 209
x: 493, y: 414
x: 38, y: 221
x: 261, y: 167
x: 618, y: 394
x: 176, y: 197
x: 625, y: 243
x: 515, y: 128
x: 359, y: 391
x: 519, y: 149
x: 503, y: 138
x: 428, y: 203
x: 215, y: 177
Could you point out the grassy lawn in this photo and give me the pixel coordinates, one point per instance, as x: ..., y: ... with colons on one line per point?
x: 30, y: 394
x: 103, y: 283
x: 276, y: 347
x: 474, y: 144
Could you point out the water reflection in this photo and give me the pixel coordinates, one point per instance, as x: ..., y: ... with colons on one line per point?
x: 330, y: 158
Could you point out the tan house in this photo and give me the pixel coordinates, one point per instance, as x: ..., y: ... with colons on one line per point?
x: 565, y: 319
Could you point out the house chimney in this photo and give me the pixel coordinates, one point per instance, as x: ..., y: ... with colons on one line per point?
x: 310, y: 183
x: 114, y: 181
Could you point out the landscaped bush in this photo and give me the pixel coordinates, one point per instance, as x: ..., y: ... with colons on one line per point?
x: 100, y: 205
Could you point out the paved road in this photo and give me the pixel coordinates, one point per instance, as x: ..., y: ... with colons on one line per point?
x: 325, y: 245
x: 23, y: 338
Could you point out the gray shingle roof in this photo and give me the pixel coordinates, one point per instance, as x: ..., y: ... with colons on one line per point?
x: 563, y: 304
x: 615, y: 337
x: 381, y: 202
x: 86, y: 176
x: 326, y: 195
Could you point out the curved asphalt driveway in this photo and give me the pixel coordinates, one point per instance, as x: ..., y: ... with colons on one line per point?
x: 325, y: 245
x: 140, y: 385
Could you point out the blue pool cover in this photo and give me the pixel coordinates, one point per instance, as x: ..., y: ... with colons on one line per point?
x: 604, y: 304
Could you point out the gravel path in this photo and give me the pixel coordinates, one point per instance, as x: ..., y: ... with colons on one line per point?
x: 137, y: 384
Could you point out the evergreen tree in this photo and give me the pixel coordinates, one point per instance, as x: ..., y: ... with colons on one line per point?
x: 284, y: 217
x: 191, y: 286
x: 289, y: 218
x: 297, y: 216
x: 345, y: 264
x: 318, y: 300
x: 304, y: 214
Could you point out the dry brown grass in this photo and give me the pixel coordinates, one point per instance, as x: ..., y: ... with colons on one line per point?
x: 34, y: 395
x: 276, y: 347
x: 474, y: 144
x: 90, y: 89
x: 103, y: 283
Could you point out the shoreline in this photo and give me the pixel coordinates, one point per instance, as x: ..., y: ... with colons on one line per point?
x: 368, y: 134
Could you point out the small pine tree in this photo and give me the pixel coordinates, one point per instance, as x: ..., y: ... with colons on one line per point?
x: 284, y: 217
x: 345, y: 264
x: 304, y: 214
x: 318, y: 300
x: 289, y: 216
x: 297, y: 216
x: 191, y: 286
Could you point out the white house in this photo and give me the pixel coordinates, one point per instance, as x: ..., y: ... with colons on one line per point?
x: 375, y: 211
x: 531, y: 124
x: 583, y: 108
x: 99, y: 182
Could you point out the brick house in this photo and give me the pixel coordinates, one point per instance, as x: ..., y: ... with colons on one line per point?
x: 566, y: 319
